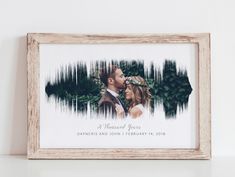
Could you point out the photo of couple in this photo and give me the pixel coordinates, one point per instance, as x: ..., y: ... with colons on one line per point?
x: 136, y: 93
x: 120, y: 89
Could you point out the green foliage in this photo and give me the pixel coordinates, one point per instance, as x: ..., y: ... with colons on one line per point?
x: 75, y: 89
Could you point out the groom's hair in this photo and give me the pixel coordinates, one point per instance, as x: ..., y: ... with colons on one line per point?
x: 107, y: 72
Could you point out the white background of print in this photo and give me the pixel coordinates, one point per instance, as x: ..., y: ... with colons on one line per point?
x: 59, y: 127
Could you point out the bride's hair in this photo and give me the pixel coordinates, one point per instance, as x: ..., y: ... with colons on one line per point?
x: 140, y: 89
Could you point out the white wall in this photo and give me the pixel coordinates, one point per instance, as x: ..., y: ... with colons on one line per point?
x: 17, y: 18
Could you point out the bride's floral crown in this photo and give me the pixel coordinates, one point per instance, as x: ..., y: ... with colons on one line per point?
x: 134, y: 82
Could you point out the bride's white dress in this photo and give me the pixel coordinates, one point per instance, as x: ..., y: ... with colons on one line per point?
x: 143, y: 109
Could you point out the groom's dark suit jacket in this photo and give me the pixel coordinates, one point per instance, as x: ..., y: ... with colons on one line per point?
x: 107, y: 104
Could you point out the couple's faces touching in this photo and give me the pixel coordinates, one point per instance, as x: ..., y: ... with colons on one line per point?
x: 119, y: 82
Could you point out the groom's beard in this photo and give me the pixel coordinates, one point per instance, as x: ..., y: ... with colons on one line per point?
x: 119, y: 86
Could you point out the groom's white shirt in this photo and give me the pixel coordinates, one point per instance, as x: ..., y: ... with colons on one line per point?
x: 115, y: 95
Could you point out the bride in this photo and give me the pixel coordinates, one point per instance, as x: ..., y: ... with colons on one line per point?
x: 138, y: 94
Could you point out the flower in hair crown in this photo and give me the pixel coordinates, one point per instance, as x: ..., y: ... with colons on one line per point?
x: 129, y: 80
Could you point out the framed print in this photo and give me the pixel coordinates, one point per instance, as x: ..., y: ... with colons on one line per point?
x: 144, y: 96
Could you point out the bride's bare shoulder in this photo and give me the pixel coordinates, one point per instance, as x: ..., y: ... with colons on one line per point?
x: 135, y: 112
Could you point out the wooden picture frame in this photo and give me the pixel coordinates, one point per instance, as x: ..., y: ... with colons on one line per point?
x: 203, y: 151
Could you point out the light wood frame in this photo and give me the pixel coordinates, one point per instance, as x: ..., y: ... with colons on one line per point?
x: 204, y: 98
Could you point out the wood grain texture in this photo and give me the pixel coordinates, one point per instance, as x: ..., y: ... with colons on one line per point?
x: 118, y: 154
x: 50, y: 38
x: 33, y: 95
x: 204, y: 98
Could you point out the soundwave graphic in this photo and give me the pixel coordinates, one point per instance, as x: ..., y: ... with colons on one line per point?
x: 78, y: 86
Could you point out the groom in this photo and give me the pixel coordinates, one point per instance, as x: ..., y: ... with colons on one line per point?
x: 114, y: 80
